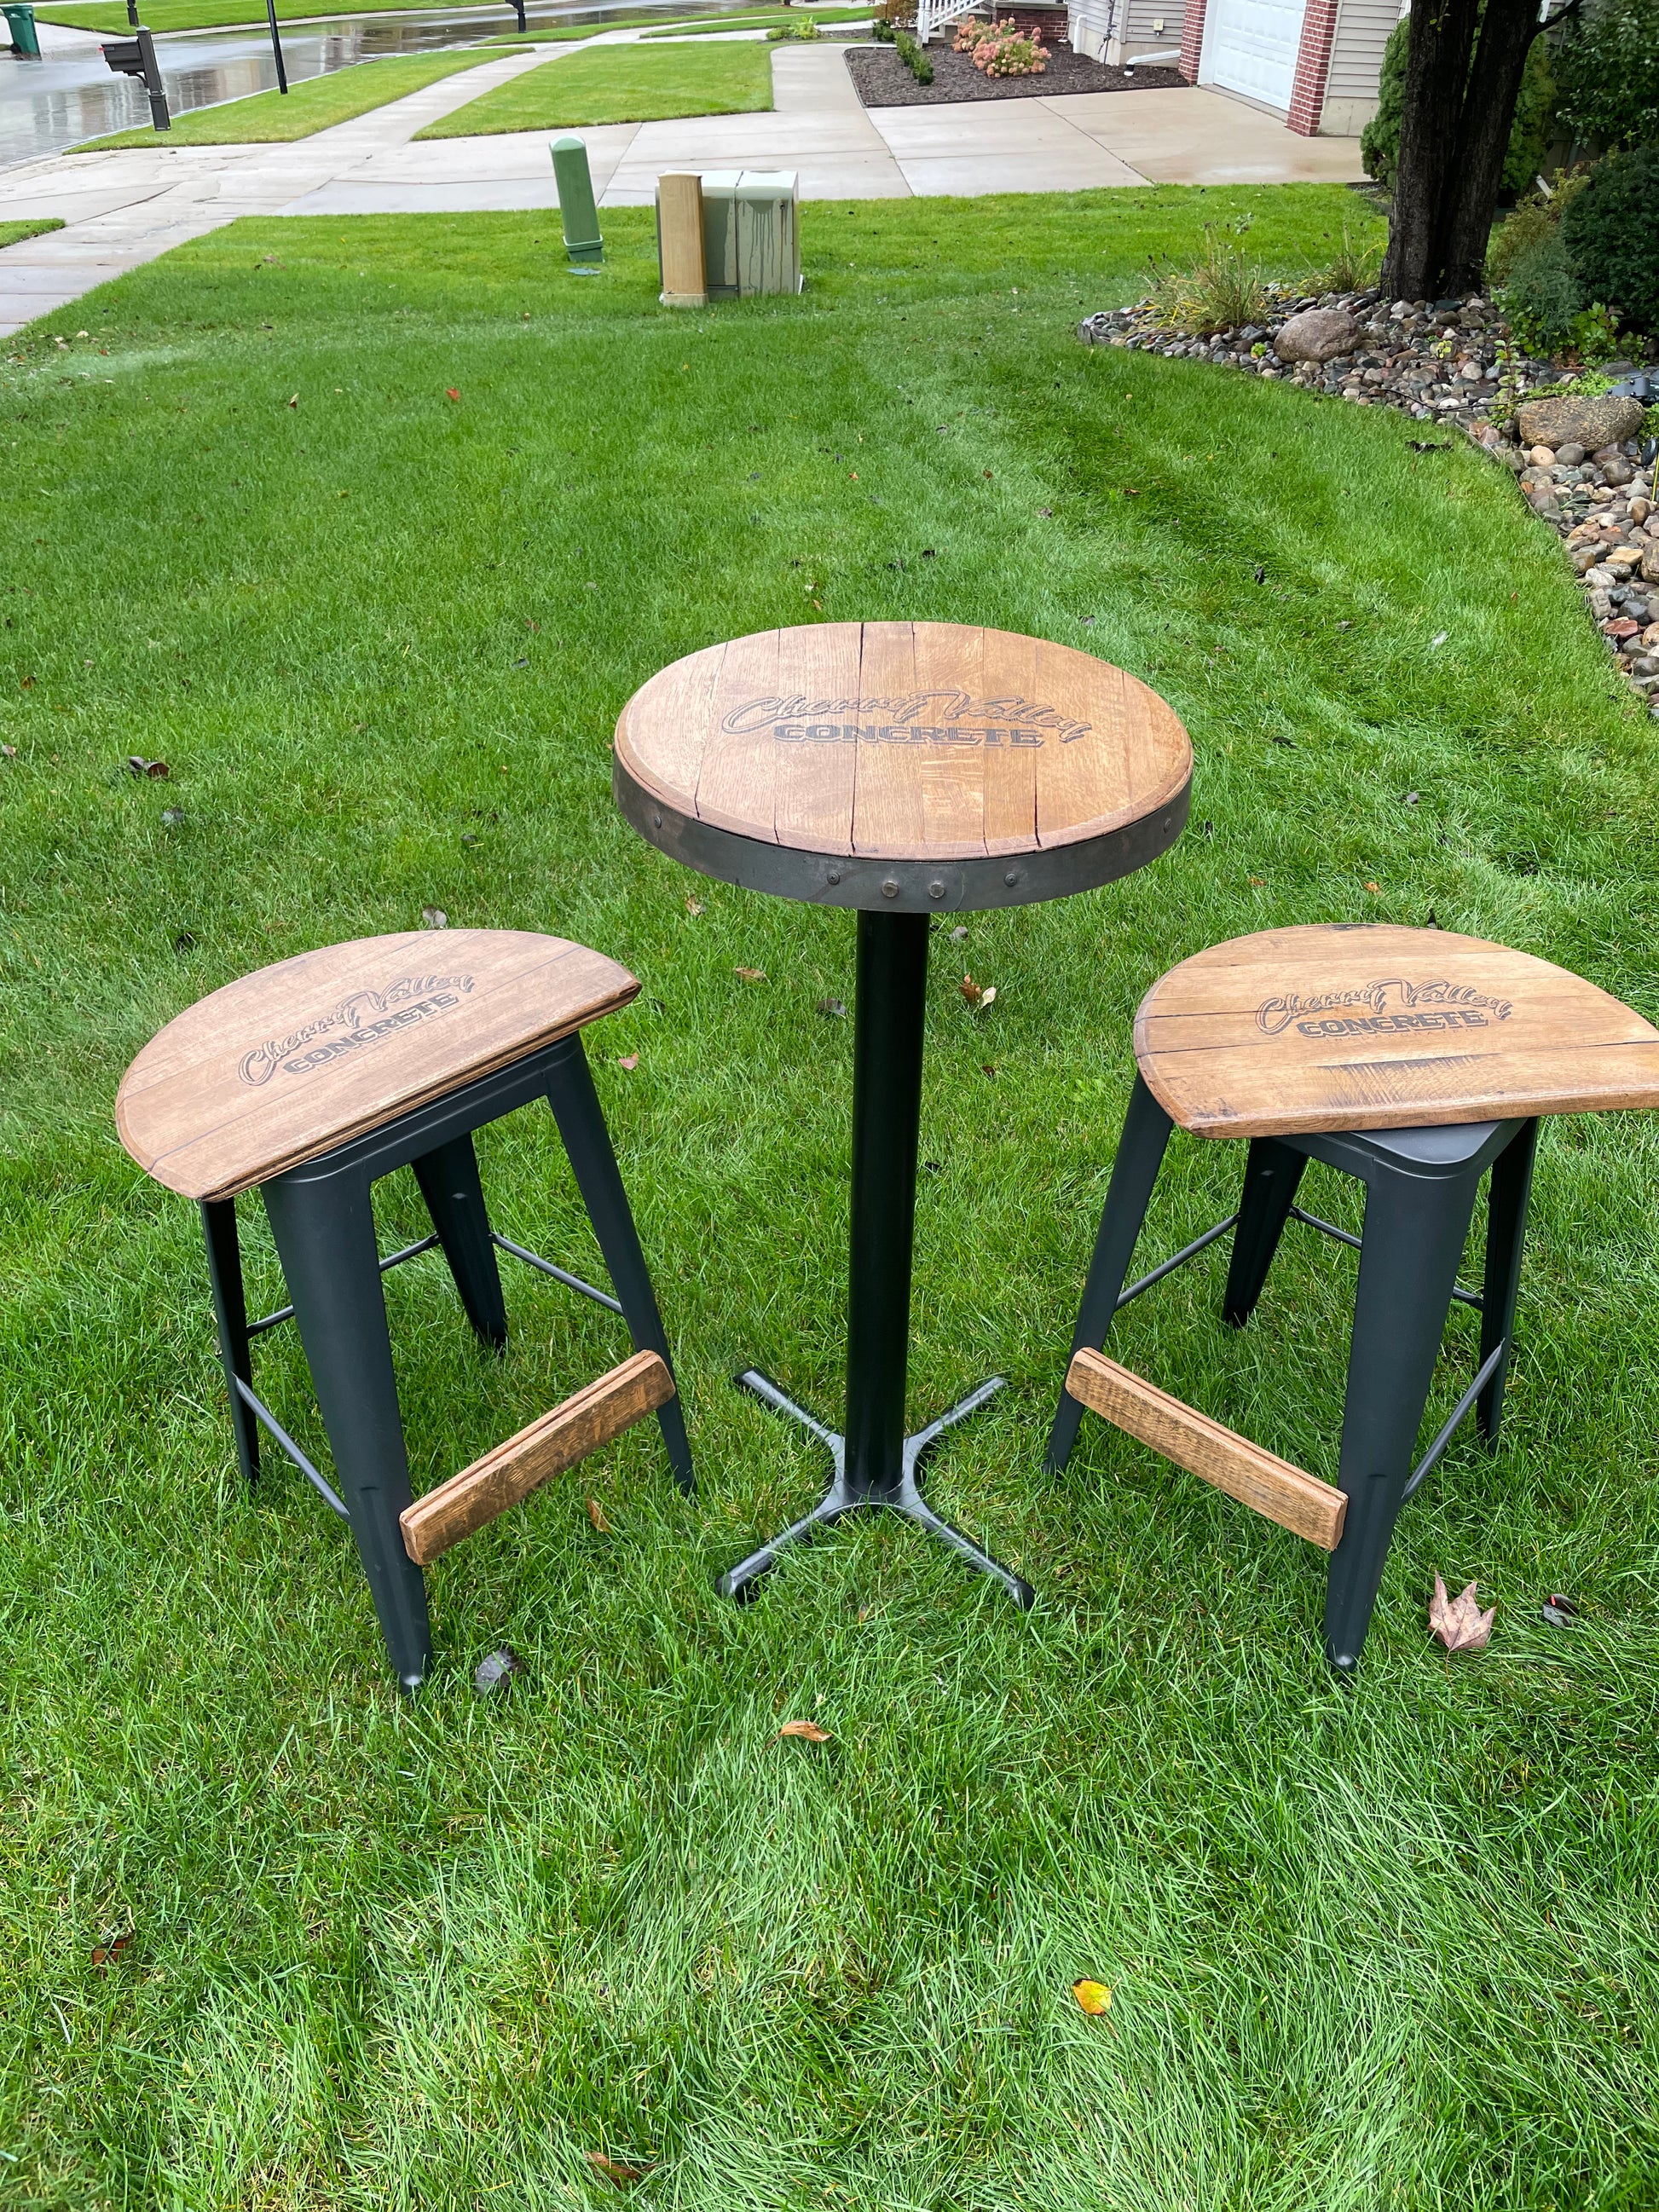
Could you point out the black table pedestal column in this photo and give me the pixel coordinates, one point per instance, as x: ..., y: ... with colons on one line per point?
x: 875, y: 1462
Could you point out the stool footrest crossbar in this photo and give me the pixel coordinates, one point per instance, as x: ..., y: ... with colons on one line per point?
x: 507, y: 1474
x: 1271, y: 1486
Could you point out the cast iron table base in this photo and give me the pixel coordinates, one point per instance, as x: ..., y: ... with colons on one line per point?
x: 905, y: 1496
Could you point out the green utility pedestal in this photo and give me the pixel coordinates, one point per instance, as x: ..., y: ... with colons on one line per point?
x: 577, y: 212
x: 20, y: 20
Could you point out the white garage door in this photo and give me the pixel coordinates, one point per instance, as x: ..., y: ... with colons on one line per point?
x: 1250, y: 46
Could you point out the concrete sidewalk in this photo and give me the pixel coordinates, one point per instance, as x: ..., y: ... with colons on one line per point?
x: 123, y: 209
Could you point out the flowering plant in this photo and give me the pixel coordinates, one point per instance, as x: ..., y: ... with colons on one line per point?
x: 1003, y: 50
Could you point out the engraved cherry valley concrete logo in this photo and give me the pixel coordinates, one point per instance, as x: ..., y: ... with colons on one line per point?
x: 1392, y: 1008
x: 357, y: 1025
x: 916, y: 718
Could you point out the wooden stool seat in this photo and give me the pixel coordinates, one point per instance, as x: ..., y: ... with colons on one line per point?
x: 282, y: 1065
x: 1378, y: 1027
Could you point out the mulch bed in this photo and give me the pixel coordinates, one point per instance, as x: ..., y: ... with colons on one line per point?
x: 881, y: 79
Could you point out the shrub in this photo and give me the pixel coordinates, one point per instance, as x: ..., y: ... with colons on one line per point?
x: 1607, y: 75
x: 1542, y: 298
x: 1011, y: 53
x: 1222, y: 291
x: 913, y: 57
x: 882, y: 29
x: 1611, y: 234
x: 1530, y: 134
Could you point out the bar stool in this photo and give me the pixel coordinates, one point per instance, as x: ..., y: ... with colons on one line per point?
x: 310, y: 1081
x: 1414, y: 1061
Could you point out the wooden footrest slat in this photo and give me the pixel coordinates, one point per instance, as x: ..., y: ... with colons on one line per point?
x: 509, y: 1473
x: 1271, y: 1486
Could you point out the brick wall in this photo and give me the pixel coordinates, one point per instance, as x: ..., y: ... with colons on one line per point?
x: 1313, y: 64
x: 1192, y: 41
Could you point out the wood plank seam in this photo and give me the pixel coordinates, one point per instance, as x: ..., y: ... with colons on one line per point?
x: 509, y: 1472
x: 1269, y: 1485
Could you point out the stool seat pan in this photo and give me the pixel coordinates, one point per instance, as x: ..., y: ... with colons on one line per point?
x: 1374, y: 1026
x: 282, y: 1065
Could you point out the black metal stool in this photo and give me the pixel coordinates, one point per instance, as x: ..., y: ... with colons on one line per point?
x: 309, y: 1081
x: 1374, y: 1049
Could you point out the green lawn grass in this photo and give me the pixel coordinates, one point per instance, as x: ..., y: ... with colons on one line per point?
x: 1386, y: 1945
x: 778, y: 19
x: 13, y: 234
x: 617, y: 84
x: 309, y: 106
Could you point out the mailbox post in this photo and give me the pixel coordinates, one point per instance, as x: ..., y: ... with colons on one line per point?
x: 136, y: 56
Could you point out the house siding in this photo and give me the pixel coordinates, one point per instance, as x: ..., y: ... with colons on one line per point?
x: 1362, y: 27
x: 1113, y: 30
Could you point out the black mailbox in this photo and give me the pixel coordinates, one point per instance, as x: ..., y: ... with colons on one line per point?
x: 136, y: 56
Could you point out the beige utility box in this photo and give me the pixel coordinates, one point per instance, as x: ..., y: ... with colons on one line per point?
x: 743, y: 238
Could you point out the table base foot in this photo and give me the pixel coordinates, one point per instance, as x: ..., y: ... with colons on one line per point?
x: 839, y: 1499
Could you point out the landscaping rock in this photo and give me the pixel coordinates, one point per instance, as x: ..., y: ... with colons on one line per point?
x: 1318, y: 334
x: 1587, y: 423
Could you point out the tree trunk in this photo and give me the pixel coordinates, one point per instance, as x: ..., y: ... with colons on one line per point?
x: 1458, y: 109
x: 1430, y: 127
x: 1500, y: 60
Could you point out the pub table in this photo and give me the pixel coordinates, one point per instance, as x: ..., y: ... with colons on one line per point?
x: 904, y: 770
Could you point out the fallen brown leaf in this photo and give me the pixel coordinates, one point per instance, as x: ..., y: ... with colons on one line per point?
x: 295, y: 401
x: 752, y: 975
x: 694, y: 906
x: 450, y: 392
x: 976, y: 993
x: 140, y: 766
x: 628, y: 1060
x: 613, y: 2169
x: 1094, y: 1997
x: 1459, y: 1622
x: 106, y: 1954
x: 809, y: 1730
x: 596, y: 1515
x: 10, y: 751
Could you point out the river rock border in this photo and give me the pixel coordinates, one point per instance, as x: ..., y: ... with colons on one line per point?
x: 1453, y: 362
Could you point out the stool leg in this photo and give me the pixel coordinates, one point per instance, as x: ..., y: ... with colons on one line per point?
x: 588, y: 1141
x: 1271, y: 1175
x: 324, y: 1233
x: 1140, y: 1155
x: 1414, y: 1233
x: 1506, y: 1232
x: 224, y: 1258
x: 448, y: 1177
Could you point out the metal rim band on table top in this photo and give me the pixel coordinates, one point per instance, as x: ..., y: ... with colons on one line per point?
x: 898, y: 886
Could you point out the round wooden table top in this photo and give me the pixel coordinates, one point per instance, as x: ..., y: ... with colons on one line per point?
x: 904, y: 766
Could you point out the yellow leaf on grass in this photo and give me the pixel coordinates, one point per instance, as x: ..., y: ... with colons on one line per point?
x: 1094, y: 1997
x: 810, y: 1730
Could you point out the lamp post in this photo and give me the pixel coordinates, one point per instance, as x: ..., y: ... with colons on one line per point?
x: 276, y: 45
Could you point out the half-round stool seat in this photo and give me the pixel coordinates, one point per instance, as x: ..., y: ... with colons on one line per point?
x: 313, y: 1079
x: 283, y: 1065
x: 1413, y: 1060
x: 1376, y: 1027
